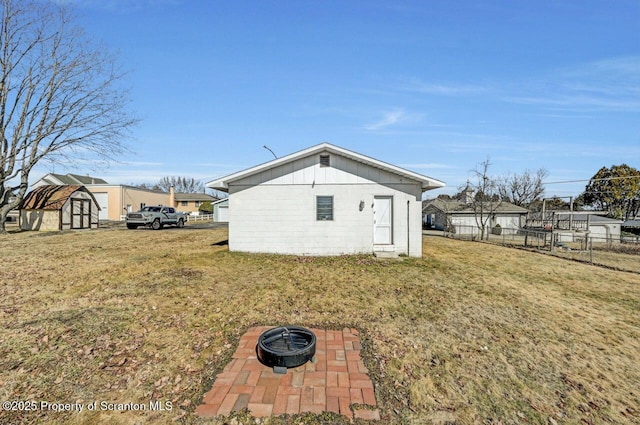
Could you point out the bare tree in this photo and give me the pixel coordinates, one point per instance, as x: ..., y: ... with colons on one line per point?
x: 522, y: 189
x: 60, y: 96
x: 486, y: 200
x: 180, y: 184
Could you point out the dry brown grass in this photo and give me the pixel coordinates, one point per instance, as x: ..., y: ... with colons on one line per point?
x: 615, y: 258
x: 618, y: 256
x: 471, y: 333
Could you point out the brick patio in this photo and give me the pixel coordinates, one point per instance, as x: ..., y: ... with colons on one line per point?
x: 336, y: 379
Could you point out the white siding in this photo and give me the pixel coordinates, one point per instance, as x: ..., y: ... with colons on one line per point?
x: 467, y: 224
x: 282, y: 219
x: 507, y: 221
x: 275, y: 210
x: 464, y: 224
x: 89, y: 221
x: 221, y: 211
x: 307, y: 171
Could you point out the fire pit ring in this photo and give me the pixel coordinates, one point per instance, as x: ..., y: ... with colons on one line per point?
x: 286, y: 346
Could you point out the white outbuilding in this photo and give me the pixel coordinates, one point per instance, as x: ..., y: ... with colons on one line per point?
x: 326, y: 200
x: 221, y: 210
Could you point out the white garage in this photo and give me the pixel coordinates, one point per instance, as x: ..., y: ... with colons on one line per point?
x: 102, y: 198
x: 325, y: 200
x: 221, y: 210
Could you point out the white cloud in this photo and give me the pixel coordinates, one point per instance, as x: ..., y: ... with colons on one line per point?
x: 142, y: 163
x: 428, y: 166
x: 393, y: 118
x: 389, y: 119
x: 610, y: 84
x: 451, y: 89
x: 119, y: 5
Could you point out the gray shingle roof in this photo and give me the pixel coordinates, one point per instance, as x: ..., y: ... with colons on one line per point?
x: 72, y: 179
x: 195, y: 197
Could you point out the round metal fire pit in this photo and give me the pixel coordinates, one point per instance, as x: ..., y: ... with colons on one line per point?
x: 286, y: 346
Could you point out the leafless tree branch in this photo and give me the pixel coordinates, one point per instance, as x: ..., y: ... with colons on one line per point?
x: 61, y: 97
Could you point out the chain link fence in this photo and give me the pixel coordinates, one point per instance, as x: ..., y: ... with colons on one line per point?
x: 621, y: 253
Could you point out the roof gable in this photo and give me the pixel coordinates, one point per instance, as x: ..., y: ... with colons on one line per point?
x: 72, y: 179
x: 426, y: 183
x: 53, y: 178
x: 220, y: 201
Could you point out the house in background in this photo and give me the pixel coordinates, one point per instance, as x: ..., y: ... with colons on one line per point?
x: 190, y: 202
x: 571, y: 226
x: 59, y: 207
x: 326, y: 200
x: 632, y: 226
x: 459, y: 216
x: 115, y: 200
x: 221, y: 210
x: 61, y: 179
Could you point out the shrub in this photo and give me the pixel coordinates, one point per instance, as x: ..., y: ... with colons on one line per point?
x: 206, y: 207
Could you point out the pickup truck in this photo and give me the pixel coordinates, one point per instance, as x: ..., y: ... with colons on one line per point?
x: 155, y: 217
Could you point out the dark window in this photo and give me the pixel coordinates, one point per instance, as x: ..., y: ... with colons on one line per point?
x: 184, y: 203
x: 325, y: 160
x: 324, y: 208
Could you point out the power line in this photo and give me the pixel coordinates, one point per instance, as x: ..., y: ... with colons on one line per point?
x: 589, y: 180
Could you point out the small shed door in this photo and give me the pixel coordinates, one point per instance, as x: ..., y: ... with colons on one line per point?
x: 80, y: 213
x: 382, y: 220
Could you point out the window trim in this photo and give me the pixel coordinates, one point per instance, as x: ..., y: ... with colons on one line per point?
x: 320, y: 214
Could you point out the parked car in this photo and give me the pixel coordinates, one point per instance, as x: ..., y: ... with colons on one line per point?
x: 155, y: 217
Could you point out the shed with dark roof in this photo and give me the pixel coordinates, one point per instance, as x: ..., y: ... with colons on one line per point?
x: 59, y: 207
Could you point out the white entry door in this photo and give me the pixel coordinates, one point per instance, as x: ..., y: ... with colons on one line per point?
x: 382, y: 220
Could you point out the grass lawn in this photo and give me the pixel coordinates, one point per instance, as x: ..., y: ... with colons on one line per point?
x: 471, y: 333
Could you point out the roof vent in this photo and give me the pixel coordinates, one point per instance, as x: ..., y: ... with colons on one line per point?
x: 325, y: 161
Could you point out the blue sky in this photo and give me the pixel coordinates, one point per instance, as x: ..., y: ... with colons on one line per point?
x: 434, y: 86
